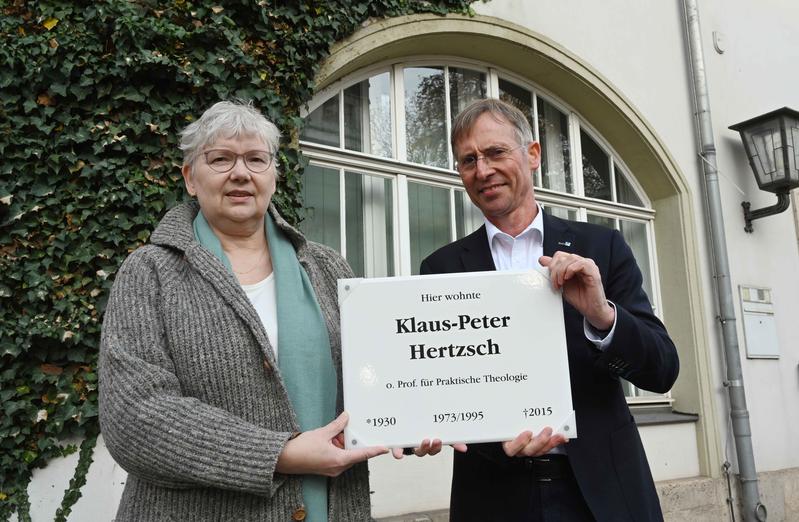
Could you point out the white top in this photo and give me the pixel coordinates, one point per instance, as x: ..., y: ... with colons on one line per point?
x: 522, y: 253
x: 264, y: 299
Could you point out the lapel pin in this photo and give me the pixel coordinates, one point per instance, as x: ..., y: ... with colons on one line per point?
x: 565, y: 243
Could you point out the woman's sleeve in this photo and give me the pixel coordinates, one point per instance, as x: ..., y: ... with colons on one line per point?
x: 150, y: 428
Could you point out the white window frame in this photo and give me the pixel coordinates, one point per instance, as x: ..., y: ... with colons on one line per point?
x: 402, y: 172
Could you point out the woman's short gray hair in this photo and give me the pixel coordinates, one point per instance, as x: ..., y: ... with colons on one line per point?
x: 226, y: 119
x: 499, y: 109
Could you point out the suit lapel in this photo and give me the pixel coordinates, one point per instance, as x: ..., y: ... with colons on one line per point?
x: 475, y: 254
x: 558, y: 235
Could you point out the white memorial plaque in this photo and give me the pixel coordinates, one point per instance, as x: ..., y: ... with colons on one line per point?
x: 471, y: 357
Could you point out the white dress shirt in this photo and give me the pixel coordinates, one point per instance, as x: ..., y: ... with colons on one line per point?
x: 522, y: 253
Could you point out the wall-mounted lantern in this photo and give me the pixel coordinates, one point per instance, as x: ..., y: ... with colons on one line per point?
x: 772, y: 143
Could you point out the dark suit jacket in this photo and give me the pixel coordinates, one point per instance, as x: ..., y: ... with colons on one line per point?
x: 608, y: 459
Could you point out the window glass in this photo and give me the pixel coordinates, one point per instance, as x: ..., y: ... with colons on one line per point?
x: 321, y: 126
x: 320, y: 192
x: 634, y: 233
x: 429, y: 220
x: 369, y: 225
x: 425, y: 122
x: 553, y: 129
x: 468, y: 217
x: 465, y: 86
x: 367, y: 116
x: 605, y: 221
x: 596, y: 169
x: 625, y: 193
x: 561, y: 212
x: 629, y: 389
x: 519, y: 97
x: 354, y: 212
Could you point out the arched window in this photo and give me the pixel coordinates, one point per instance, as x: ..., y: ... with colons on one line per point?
x: 381, y: 187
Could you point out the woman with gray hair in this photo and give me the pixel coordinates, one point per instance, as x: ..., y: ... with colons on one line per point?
x: 220, y: 351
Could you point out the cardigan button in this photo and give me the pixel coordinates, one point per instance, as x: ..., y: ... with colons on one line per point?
x: 299, y: 514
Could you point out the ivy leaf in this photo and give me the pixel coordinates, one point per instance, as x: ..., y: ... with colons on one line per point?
x: 45, y: 99
x: 51, y: 369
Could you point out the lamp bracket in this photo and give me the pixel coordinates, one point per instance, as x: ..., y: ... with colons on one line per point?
x: 783, y: 202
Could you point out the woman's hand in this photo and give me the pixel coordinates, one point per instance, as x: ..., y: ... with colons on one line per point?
x: 321, y: 452
x: 428, y: 447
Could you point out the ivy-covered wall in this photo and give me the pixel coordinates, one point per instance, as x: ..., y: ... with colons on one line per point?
x: 92, y: 96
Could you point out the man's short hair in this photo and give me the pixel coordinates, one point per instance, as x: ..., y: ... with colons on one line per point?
x: 500, y: 111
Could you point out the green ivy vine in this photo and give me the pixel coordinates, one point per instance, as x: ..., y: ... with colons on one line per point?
x: 92, y: 96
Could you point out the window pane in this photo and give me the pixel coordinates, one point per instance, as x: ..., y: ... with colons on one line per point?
x: 465, y: 86
x: 370, y: 230
x: 425, y: 123
x: 321, y: 126
x: 625, y: 193
x: 468, y: 218
x: 596, y: 169
x: 553, y: 128
x: 320, y: 193
x: 517, y: 96
x: 629, y: 389
x: 561, y: 212
x: 429, y: 221
x: 605, y: 221
x: 634, y: 233
x: 367, y: 116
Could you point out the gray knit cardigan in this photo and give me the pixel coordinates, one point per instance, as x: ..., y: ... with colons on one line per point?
x: 192, y: 405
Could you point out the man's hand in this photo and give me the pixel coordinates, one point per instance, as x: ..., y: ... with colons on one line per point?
x: 428, y: 447
x: 525, y: 445
x: 321, y: 452
x: 582, y: 287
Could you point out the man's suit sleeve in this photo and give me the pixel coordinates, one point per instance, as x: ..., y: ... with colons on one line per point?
x: 641, y: 351
x: 425, y: 268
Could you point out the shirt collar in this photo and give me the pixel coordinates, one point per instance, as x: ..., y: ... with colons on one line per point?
x: 536, y: 224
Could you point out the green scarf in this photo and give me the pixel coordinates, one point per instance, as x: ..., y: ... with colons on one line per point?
x: 305, y: 362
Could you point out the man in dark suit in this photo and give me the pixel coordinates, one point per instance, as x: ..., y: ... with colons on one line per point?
x: 611, y: 333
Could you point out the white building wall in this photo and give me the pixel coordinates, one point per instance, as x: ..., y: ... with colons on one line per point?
x: 756, y: 74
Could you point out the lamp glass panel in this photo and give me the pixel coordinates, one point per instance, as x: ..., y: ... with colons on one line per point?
x: 766, y: 150
x: 792, y: 133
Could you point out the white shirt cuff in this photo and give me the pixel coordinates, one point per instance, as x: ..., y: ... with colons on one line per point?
x: 595, y: 336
